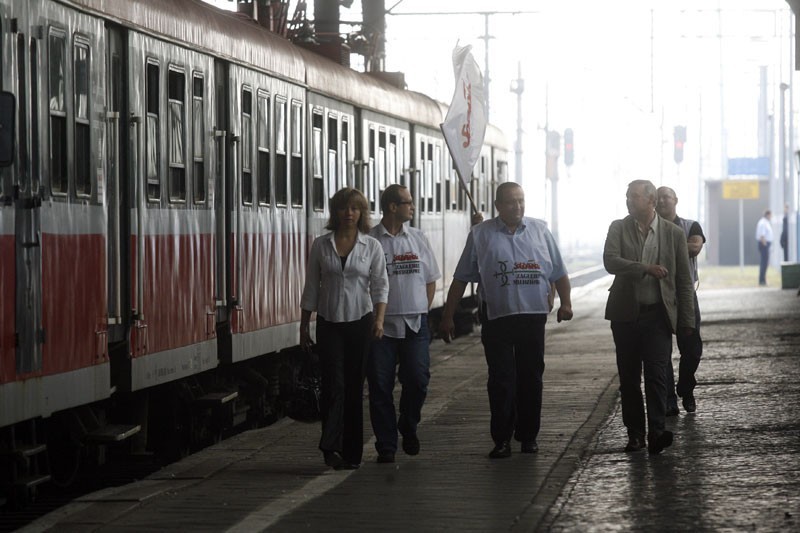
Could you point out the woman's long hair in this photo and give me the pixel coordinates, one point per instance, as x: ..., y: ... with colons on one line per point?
x: 343, y: 198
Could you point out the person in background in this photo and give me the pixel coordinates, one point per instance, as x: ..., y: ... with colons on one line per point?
x: 764, y: 239
x: 689, y: 346
x: 515, y: 259
x: 785, y: 233
x: 412, y: 270
x: 650, y: 298
x: 345, y: 282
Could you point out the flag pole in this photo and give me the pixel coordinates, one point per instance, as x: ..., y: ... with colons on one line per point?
x: 462, y: 184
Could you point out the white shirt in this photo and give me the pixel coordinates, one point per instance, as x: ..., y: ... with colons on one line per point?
x: 344, y: 295
x: 410, y: 265
x: 514, y: 269
x: 764, y: 229
x: 649, y: 288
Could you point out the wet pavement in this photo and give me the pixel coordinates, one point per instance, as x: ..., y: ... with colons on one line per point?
x: 733, y: 467
x: 735, y: 463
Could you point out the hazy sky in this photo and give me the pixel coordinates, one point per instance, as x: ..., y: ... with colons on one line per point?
x: 622, y: 74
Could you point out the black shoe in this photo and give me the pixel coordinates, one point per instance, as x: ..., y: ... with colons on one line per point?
x: 658, y: 444
x: 689, y: 403
x: 634, y: 444
x: 529, y: 446
x: 348, y: 466
x: 501, y: 450
x: 672, y: 410
x: 333, y: 458
x: 386, y: 457
x: 411, y: 444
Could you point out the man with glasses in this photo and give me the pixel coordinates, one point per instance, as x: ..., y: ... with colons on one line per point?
x: 413, y: 272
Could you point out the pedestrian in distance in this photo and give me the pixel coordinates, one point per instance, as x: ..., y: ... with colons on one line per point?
x: 785, y: 233
x: 346, y: 285
x: 650, y: 298
x: 764, y: 240
x: 689, y: 346
x: 514, y: 258
x: 403, y: 351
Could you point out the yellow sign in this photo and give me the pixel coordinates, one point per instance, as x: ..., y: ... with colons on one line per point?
x: 740, y: 190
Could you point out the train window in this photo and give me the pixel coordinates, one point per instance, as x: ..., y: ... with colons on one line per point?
x: 401, y: 161
x: 58, y: 113
x: 297, y: 154
x: 369, y: 185
x: 437, y: 177
x: 198, y: 146
x: 391, y: 160
x: 345, y: 154
x: 486, y: 184
x: 333, y: 144
x: 264, y: 184
x: 22, y: 95
x: 153, y: 121
x: 429, y: 176
x: 246, y: 143
x: 317, y: 184
x: 281, y: 189
x: 176, y: 94
x: 80, y: 57
x: 381, y: 163
x: 35, y: 148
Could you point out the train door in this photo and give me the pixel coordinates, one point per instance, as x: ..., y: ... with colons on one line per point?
x: 25, y: 200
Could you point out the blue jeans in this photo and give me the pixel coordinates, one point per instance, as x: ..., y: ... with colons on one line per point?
x: 763, y: 249
x: 414, y: 357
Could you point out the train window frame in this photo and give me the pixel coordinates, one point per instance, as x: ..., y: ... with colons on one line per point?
x: 176, y: 145
x: 391, y: 158
x: 281, y: 156
x: 246, y: 145
x: 369, y: 182
x: 57, y: 109
x: 428, y: 155
x: 344, y: 149
x: 317, y: 162
x: 23, y: 155
x: 296, y: 175
x: 199, y: 189
x: 34, y: 123
x: 383, y: 179
x: 332, y: 150
x: 437, y: 177
x: 152, y: 174
x: 263, y: 140
x: 81, y: 127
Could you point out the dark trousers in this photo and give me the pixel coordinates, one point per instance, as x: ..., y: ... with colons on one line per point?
x: 414, y: 358
x: 644, y: 344
x: 343, y: 349
x: 691, y: 349
x: 763, y: 249
x: 514, y: 349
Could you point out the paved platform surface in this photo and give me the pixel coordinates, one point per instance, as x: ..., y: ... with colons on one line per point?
x: 735, y: 464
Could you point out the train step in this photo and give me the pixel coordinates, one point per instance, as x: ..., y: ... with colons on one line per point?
x: 215, y: 399
x: 112, y: 433
x: 29, y: 482
x: 25, y: 450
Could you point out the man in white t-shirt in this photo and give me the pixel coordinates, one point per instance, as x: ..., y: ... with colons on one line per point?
x: 413, y: 272
x: 516, y: 261
x: 764, y: 238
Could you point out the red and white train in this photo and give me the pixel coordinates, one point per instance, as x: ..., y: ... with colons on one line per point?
x: 165, y: 166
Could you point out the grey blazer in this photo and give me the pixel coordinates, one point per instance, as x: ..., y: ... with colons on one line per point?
x: 622, y: 257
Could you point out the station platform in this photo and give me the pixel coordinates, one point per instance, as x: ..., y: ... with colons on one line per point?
x: 735, y: 463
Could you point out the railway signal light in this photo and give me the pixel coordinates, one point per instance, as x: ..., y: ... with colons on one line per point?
x: 680, y: 140
x: 569, y: 154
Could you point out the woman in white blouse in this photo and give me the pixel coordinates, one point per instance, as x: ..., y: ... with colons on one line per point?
x: 347, y: 286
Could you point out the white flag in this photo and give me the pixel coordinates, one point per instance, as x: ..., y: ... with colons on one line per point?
x: 465, y: 123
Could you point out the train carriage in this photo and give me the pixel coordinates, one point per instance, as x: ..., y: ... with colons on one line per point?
x: 172, y: 164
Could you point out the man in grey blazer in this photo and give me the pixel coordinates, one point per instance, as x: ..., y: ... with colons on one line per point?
x: 650, y: 299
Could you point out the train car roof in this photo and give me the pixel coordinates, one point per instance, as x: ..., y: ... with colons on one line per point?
x: 203, y: 27
x: 239, y: 39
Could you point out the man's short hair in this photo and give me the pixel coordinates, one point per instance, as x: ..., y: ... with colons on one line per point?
x: 391, y: 195
x: 649, y: 188
x: 500, y: 191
